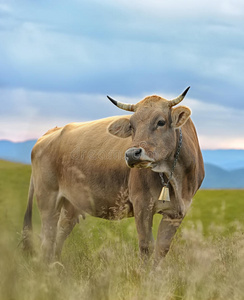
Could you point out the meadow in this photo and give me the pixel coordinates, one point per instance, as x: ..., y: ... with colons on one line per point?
x: 100, y: 258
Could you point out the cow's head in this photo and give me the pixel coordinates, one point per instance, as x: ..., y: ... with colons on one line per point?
x: 152, y: 128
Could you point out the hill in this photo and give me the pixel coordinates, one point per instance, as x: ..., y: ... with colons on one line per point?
x: 225, y: 159
x: 17, y: 152
x: 218, y: 178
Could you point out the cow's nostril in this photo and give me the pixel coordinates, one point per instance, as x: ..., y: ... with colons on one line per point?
x: 137, y: 153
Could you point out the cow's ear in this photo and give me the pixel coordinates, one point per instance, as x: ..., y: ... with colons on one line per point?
x: 180, y: 115
x: 120, y: 128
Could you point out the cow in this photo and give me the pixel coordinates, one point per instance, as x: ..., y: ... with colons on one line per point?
x: 114, y: 168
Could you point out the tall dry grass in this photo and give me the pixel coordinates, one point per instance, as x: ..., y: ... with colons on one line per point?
x: 103, y: 263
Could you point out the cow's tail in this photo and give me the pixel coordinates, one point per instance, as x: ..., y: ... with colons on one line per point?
x: 27, y: 226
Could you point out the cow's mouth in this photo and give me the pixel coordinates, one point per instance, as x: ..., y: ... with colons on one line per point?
x: 141, y: 165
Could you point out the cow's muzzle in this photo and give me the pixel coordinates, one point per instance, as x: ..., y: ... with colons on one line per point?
x: 137, y: 157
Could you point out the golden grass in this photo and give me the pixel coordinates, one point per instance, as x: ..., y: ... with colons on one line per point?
x: 197, y: 267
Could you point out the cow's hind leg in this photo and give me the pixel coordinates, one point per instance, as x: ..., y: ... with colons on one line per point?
x: 67, y: 221
x: 49, y: 218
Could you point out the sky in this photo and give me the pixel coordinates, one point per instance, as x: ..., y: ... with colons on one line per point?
x: 59, y: 59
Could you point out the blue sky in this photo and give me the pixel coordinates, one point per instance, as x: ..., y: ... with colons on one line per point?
x: 59, y: 59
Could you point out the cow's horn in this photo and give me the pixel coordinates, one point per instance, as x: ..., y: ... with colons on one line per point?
x: 124, y: 106
x: 179, y: 98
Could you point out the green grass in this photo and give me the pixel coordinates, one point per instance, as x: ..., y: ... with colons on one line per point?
x: 217, y: 211
x: 100, y: 258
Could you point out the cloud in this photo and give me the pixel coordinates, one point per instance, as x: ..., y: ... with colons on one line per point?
x: 179, y: 9
x: 218, y: 126
x: 56, y: 50
x: 29, y: 114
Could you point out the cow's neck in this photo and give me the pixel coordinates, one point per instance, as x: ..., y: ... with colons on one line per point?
x: 176, y: 156
x: 164, y: 195
x: 166, y: 167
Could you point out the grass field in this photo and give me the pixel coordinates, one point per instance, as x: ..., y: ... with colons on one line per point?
x: 100, y: 258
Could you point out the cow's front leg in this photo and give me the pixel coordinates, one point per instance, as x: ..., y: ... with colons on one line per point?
x: 166, y: 231
x: 143, y: 212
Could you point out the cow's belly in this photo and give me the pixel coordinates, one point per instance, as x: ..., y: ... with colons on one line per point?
x: 101, y: 193
x: 112, y: 210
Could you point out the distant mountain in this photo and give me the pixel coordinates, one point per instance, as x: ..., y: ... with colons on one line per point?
x: 225, y: 159
x: 217, y: 178
x: 17, y: 152
x: 224, y: 168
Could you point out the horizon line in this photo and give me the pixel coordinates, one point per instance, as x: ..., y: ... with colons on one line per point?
x: 35, y: 139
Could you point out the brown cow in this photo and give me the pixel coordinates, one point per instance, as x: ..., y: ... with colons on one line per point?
x: 116, y: 167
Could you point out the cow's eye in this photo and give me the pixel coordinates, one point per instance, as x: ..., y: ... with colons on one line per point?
x: 161, y: 123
